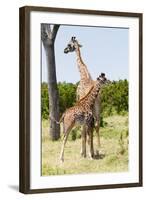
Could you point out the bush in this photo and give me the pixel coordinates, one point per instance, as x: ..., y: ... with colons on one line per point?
x: 67, y: 97
x: 114, y: 98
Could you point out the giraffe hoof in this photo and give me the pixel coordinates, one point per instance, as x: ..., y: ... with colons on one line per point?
x: 97, y: 153
x: 61, y: 160
x: 91, y: 156
x: 83, y: 154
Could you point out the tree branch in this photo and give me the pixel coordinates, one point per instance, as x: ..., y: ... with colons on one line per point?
x: 54, y: 31
x: 45, y: 32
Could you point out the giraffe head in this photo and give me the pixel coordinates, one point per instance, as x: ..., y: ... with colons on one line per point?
x: 101, y: 79
x: 72, y: 45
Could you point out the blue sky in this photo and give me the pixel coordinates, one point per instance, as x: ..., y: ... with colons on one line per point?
x: 104, y: 50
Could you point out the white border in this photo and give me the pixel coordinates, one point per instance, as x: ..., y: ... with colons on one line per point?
x: 36, y: 180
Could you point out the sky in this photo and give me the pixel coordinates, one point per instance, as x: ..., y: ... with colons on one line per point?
x: 103, y: 50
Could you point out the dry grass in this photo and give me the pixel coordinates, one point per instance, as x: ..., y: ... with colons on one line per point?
x: 113, y: 152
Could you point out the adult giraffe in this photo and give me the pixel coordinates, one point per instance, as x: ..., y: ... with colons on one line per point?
x: 83, y: 88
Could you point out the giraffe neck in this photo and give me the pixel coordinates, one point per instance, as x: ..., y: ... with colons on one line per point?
x: 84, y: 73
x: 89, y: 99
x: 92, y: 96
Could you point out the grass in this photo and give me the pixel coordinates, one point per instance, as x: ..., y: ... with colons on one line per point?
x: 113, y: 151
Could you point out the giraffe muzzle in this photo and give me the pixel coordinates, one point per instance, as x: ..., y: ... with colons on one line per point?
x: 66, y: 50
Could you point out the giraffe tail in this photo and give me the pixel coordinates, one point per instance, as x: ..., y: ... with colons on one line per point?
x: 57, y: 122
x: 62, y: 118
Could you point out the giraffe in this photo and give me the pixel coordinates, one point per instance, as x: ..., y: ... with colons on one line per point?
x: 81, y: 114
x: 85, y: 84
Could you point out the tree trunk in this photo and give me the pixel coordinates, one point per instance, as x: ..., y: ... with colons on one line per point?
x: 48, y: 39
x: 53, y: 93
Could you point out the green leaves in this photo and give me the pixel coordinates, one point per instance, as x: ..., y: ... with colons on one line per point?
x: 67, y: 97
x: 114, y: 98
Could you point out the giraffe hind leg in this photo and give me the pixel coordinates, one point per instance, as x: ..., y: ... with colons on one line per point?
x: 63, y: 146
x: 67, y: 130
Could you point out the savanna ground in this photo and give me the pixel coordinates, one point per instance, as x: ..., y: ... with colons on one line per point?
x: 113, y: 153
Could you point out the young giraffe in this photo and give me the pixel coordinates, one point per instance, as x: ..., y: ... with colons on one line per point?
x: 82, y: 114
x: 85, y: 84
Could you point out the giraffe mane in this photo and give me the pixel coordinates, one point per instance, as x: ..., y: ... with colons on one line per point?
x: 85, y: 96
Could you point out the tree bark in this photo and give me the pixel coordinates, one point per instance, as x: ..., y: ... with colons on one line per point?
x: 48, y: 39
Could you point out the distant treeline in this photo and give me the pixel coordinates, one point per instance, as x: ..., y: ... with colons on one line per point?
x: 114, y: 98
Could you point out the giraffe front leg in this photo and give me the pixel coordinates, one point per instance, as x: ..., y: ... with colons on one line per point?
x: 98, y: 144
x: 83, y: 140
x: 90, y: 143
x: 96, y: 113
x: 97, y: 133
